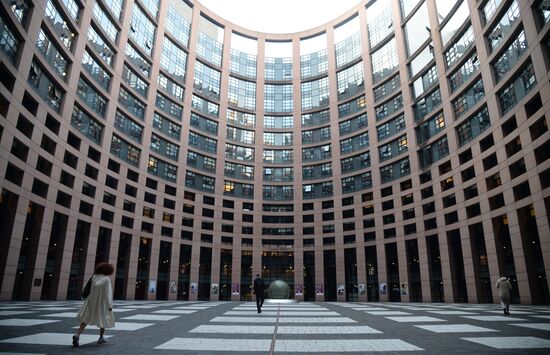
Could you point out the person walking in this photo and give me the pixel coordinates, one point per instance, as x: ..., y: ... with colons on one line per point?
x: 504, y: 287
x: 97, y: 308
x: 259, y: 291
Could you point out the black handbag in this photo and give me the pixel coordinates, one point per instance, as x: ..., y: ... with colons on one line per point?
x: 87, y: 288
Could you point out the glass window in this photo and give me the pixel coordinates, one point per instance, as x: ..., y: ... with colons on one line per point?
x: 210, y: 41
x: 421, y: 60
x: 239, y: 153
x: 315, y: 94
x: 317, y: 153
x: 52, y: 54
x: 387, y: 88
x: 242, y: 93
x: 278, y: 174
x: 137, y: 60
x: 91, y: 97
x: 173, y: 59
x: 455, y: 22
x: 131, y: 103
x: 473, y: 127
x: 164, y: 147
x: 241, y: 118
x: 393, y: 148
x: 281, y: 139
x: 204, y: 143
x: 162, y: 169
x: 460, y: 47
x: 9, y: 43
x: 86, y: 125
x: 504, y: 25
x: 104, y: 22
x: 384, y: 61
x: 542, y: 8
x: 277, y: 156
x: 466, y: 71
x: 314, y: 118
x: 278, y: 192
x: 243, y: 55
x: 433, y: 152
x: 353, y: 124
x: 443, y: 8
x: 351, y: 107
x: 134, y: 81
x: 379, y: 22
x: 124, y: 150
x: 510, y: 56
x: 430, y: 128
x: 489, y: 9
x: 350, y: 81
x: 389, y: 107
x: 240, y: 135
x: 278, y: 69
x: 207, y: 80
x: 346, y: 30
x: 278, y: 121
x: 166, y: 126
x: 348, y: 50
x: 407, y: 6
x: 100, y: 46
x: 168, y: 106
x: 517, y: 88
x: 417, y: 29
x: 114, y: 6
x: 313, y: 56
x: 170, y: 86
x: 278, y: 98
x: 20, y: 9
x: 127, y: 126
x: 424, y: 82
x: 315, y: 135
x: 205, y: 106
x: 204, y: 124
x: 178, y: 21
x: 395, y: 170
x: 142, y: 30
x: 59, y: 23
x: 152, y: 6
x: 96, y: 71
x: 391, y: 127
x: 469, y: 98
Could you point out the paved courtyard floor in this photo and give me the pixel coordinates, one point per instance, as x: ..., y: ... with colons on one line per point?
x: 297, y: 328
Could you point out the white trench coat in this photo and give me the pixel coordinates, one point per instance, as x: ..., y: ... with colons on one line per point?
x: 95, y: 310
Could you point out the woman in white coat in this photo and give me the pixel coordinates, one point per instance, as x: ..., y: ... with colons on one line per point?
x: 98, y: 306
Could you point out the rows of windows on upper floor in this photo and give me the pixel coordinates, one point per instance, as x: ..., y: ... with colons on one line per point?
x: 510, y: 14
x: 142, y: 30
x: 384, y: 60
x: 528, y: 70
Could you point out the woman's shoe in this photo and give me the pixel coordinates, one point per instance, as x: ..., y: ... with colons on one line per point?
x: 75, y: 341
x: 101, y: 340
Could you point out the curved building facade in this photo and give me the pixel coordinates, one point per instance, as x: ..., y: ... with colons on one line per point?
x: 397, y: 153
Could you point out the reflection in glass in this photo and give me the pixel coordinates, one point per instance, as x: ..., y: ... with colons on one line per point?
x: 417, y: 29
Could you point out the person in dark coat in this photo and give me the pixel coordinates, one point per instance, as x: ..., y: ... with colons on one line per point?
x: 259, y: 291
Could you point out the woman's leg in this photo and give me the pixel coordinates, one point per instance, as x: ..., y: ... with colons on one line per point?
x: 77, y: 335
x: 81, y: 328
x: 101, y: 338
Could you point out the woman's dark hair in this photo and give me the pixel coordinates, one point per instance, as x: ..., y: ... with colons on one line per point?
x: 104, y: 268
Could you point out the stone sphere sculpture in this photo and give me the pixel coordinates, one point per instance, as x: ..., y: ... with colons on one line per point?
x: 278, y: 289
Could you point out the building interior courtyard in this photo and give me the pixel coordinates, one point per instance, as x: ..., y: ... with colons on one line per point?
x: 399, y: 152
